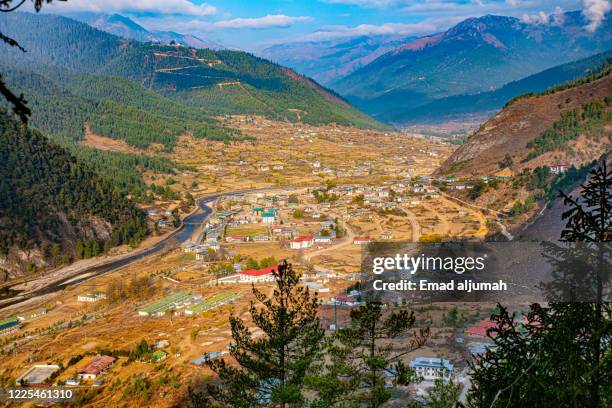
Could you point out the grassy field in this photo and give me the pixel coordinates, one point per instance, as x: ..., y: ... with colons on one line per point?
x: 248, y: 230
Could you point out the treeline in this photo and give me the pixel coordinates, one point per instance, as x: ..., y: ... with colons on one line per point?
x: 113, y: 107
x: 48, y: 197
x: 123, y: 170
x: 570, y: 126
x: 604, y: 70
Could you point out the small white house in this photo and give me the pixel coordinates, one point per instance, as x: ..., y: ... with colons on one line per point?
x: 91, y: 296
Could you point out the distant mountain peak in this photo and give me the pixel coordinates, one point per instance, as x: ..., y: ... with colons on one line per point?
x: 125, y: 27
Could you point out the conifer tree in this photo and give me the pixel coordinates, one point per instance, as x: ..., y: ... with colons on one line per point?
x: 562, y: 354
x: 269, y: 370
x: 362, y: 357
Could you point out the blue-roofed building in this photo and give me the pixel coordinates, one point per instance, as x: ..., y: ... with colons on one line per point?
x: 432, y: 368
x: 269, y: 216
x: 205, y: 358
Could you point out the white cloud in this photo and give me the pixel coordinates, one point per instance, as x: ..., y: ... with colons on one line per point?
x: 268, y: 21
x: 337, y: 32
x: 595, y: 11
x: 180, y: 7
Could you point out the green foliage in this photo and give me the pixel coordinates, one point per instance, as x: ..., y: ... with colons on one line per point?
x: 444, y: 394
x: 506, y: 162
x: 270, y: 370
x: 112, y: 107
x: 45, y: 191
x: 559, y: 356
x: 588, y: 119
x: 212, y: 82
x: 123, y: 170
x: 322, y: 196
x: 361, y: 358
x: 598, y: 73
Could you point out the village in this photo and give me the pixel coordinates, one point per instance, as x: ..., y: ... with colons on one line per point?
x: 314, y: 196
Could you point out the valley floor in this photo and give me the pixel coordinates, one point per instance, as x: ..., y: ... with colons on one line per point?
x: 311, y: 195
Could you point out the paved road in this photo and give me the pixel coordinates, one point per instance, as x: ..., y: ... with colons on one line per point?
x: 182, y: 234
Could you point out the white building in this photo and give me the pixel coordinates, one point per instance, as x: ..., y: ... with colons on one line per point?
x: 258, y: 275
x: 301, y: 242
x: 432, y: 368
x: 91, y: 296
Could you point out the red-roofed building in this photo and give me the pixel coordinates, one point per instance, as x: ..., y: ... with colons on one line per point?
x: 342, y: 300
x: 302, y: 242
x: 96, y: 367
x: 258, y: 275
x: 480, y: 329
x: 361, y: 240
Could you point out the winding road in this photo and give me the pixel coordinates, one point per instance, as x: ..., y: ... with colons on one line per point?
x: 48, y: 284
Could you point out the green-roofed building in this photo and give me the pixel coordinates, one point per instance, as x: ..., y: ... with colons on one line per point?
x: 9, y: 325
x: 177, y: 300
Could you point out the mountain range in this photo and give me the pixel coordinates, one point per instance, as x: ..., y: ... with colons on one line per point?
x: 486, y: 103
x: 476, y: 55
x: 328, y: 60
x: 125, y: 27
x: 212, y: 82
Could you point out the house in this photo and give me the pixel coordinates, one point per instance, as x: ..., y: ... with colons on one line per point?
x: 258, y: 275
x: 269, y: 217
x: 432, y: 368
x: 342, y: 300
x: 327, y: 224
x: 212, y: 236
x: 32, y: 314
x: 479, y: 330
x: 96, y: 367
x: 325, y: 236
x: 91, y: 296
x: 205, y: 358
x: 188, y: 247
x: 9, y: 325
x: 386, y: 235
x: 559, y: 168
x: 301, y: 242
x: 235, y: 238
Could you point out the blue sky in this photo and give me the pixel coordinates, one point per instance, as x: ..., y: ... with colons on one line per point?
x: 255, y: 24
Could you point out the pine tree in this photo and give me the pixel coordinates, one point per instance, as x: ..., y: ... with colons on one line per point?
x: 362, y: 357
x: 270, y: 370
x: 562, y: 355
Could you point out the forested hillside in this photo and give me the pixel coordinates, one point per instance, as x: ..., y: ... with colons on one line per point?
x: 52, y: 204
x: 213, y: 82
x: 569, y: 124
x: 481, y: 103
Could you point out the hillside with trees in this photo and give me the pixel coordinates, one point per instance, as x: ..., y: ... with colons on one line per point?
x: 53, y: 207
x: 211, y: 82
x: 566, y: 124
x: 483, y: 103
